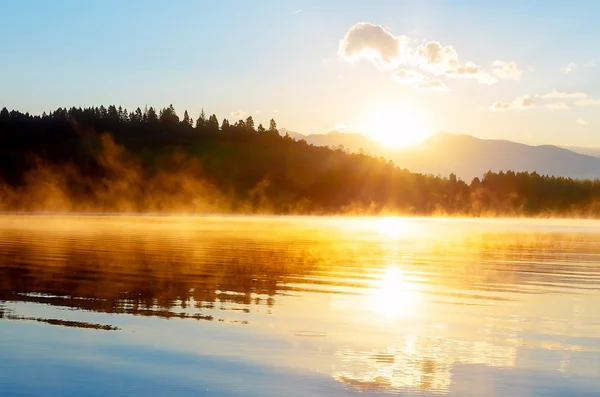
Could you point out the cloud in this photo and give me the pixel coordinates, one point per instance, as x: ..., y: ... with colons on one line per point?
x: 506, y: 70
x: 590, y: 64
x: 443, y: 60
x: 387, y: 51
x: 570, y: 67
x: 372, y: 42
x: 499, y: 106
x: 341, y: 126
x: 407, y: 76
x: 558, y: 106
x: 437, y: 59
x: 581, y: 121
x: 566, y: 95
x: 585, y: 102
x: 432, y: 85
x: 297, y: 12
x: 470, y: 70
x: 525, y: 102
x: 238, y: 114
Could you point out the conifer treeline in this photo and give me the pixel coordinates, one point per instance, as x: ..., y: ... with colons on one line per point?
x: 156, y: 161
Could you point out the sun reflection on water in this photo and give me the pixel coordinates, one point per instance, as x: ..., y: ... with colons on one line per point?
x: 395, y: 296
x: 382, y: 305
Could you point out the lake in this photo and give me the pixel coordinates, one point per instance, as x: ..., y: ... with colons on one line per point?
x: 298, y: 306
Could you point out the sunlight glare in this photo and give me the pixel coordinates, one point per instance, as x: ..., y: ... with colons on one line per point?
x: 393, y: 227
x: 396, y: 125
x: 395, y: 296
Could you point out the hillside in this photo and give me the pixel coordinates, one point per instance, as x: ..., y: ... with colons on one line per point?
x: 111, y: 160
x: 469, y: 157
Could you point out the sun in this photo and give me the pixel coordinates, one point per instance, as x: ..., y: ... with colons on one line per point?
x: 396, y: 125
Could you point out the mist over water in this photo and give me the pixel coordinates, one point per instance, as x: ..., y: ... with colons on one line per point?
x: 298, y: 306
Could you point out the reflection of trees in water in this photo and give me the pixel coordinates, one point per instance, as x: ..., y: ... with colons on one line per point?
x: 191, y: 271
x: 64, y: 323
x: 148, y: 277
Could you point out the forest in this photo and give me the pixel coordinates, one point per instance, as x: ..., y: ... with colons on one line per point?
x: 109, y: 159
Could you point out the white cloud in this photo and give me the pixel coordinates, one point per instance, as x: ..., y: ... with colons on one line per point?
x: 372, y: 42
x: 566, y: 95
x: 524, y: 102
x: 585, y: 102
x: 570, y: 67
x: 432, y: 85
x: 387, y: 51
x: 297, y: 12
x: 581, y: 121
x: 558, y: 106
x: 590, y: 64
x: 275, y: 110
x: 436, y: 58
x: 407, y: 76
x: 238, y: 114
x: 470, y: 70
x: 443, y: 60
x: 507, y: 70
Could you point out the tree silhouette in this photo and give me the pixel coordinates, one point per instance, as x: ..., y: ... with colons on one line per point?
x: 151, y: 115
x: 225, y: 125
x: 201, y: 121
x: 256, y: 170
x: 186, y: 119
x: 213, y: 123
x: 250, y: 123
x: 169, y: 116
x: 273, y: 127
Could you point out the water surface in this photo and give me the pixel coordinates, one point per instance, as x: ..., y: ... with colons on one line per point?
x: 298, y: 306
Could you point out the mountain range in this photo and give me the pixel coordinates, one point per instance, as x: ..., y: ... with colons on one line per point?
x: 467, y: 156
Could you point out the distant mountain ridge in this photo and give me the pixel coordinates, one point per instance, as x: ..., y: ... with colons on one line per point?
x: 469, y: 157
x: 333, y: 139
x: 589, y: 151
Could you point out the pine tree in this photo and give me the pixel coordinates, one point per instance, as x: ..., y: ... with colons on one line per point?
x: 168, y: 115
x: 151, y: 115
x: 138, y: 117
x: 213, y: 123
x: 186, y: 118
x: 273, y: 127
x: 201, y: 122
x: 225, y: 125
x: 250, y: 123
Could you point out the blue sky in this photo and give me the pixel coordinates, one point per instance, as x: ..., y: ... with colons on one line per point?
x: 285, y: 59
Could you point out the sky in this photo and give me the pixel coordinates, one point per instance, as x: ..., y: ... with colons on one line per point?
x: 526, y: 71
